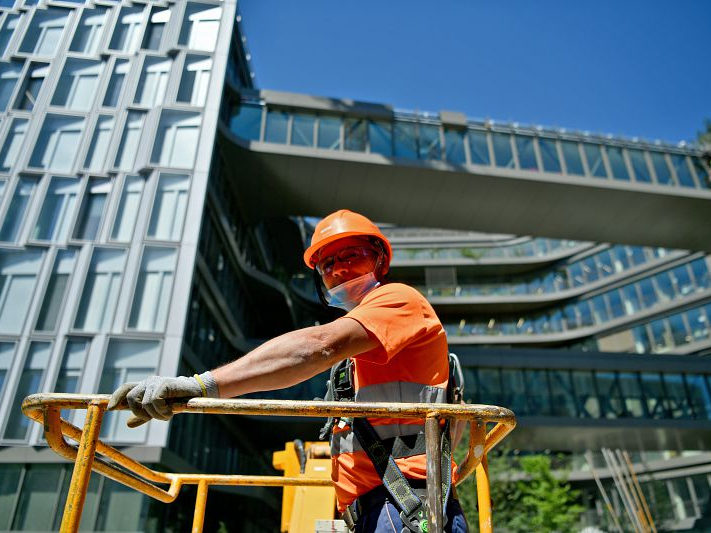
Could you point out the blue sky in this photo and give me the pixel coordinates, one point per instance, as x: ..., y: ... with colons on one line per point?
x: 625, y: 67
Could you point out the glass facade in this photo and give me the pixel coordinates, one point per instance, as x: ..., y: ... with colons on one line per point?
x: 124, y: 252
x: 415, y: 137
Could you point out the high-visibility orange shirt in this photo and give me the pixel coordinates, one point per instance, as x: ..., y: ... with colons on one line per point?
x: 410, y: 365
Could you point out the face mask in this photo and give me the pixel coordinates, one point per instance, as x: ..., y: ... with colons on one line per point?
x: 349, y: 294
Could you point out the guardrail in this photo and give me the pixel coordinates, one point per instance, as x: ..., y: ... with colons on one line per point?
x: 93, y: 454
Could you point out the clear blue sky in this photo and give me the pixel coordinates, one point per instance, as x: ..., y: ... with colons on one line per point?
x: 626, y: 67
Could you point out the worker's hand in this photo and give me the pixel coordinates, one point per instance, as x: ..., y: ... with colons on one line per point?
x: 150, y: 397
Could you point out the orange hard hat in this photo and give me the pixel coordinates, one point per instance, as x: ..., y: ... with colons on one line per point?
x: 341, y: 224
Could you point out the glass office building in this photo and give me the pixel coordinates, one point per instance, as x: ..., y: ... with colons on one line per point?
x: 155, y: 205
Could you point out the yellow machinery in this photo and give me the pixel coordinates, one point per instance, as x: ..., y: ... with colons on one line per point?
x: 93, y: 454
x: 303, y: 506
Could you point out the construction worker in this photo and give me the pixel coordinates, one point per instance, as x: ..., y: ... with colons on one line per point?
x: 398, y: 350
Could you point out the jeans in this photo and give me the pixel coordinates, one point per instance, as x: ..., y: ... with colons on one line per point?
x: 386, y: 519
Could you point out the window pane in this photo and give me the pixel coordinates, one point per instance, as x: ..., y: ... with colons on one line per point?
x: 302, y: 130
x: 430, y: 147
x: 526, y: 153
x: 153, y: 81
x: 454, y: 144
x: 680, y: 335
x: 702, y: 174
x: 478, y: 147
x: 38, y: 498
x: 639, y: 164
x: 18, y: 424
x: 18, y: 274
x: 11, y: 22
x: 72, y: 363
x: 699, y: 324
x: 701, y: 273
x: 665, y: 286
x: 405, y: 140
x: 118, y: 76
x: 128, y: 208
x: 57, y: 210
x: 156, y: 27
x: 92, y: 210
x: 594, y: 156
x: 88, y: 33
x: 247, y: 123
x: 126, y: 37
x: 169, y: 206
x: 661, y: 337
x: 77, y: 85
x: 588, y: 402
x: 683, y: 172
x: 700, y: 398
x: 661, y: 168
x: 56, y: 290
x: 13, y: 142
x: 380, y: 135
x: 177, y: 139
x: 153, y: 290
x: 355, y: 134
x: 101, y: 289
x: 276, y: 128
x: 96, y: 156
x: 503, y: 155
x: 649, y: 294
x: 617, y: 163
x: 677, y: 401
x: 9, y: 483
x: 9, y: 74
x: 329, y: 133
x: 549, y: 155
x: 195, y: 80
x: 29, y: 92
x: 200, y: 27
x: 7, y: 352
x: 15, y: 215
x: 126, y: 156
x: 573, y: 161
x: 563, y: 398
x: 45, y: 31
x: 632, y: 394
x: 58, y: 143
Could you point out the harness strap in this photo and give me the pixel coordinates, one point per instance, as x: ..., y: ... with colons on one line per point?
x: 380, y: 452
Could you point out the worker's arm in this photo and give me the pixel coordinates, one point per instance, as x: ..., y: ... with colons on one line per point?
x: 293, y: 357
x: 279, y: 363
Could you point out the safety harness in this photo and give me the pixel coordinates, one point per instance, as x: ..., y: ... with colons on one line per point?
x: 383, y: 452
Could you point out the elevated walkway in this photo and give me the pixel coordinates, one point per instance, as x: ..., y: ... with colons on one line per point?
x: 309, y: 156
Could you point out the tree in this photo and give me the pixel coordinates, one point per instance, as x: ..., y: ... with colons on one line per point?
x: 526, y: 495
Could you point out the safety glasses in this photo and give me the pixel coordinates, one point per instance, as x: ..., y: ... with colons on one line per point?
x: 346, y: 256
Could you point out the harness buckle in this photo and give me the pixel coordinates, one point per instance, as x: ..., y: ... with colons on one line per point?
x: 414, y: 521
x: 350, y: 516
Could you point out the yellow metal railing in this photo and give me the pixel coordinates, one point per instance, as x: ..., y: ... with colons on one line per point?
x: 92, y: 454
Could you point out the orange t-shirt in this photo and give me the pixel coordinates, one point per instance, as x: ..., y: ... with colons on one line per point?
x: 410, y: 365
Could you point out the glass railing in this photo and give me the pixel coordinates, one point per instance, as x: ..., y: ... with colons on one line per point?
x: 484, y: 144
x: 672, y: 285
x: 662, y: 335
x: 591, y: 269
x: 592, y: 394
x: 539, y: 247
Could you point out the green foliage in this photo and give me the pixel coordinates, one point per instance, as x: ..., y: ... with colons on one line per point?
x: 526, y: 495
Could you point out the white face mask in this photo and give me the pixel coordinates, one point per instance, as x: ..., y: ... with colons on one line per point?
x: 349, y: 294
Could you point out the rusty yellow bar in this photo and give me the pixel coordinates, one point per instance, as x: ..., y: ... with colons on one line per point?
x: 484, y: 497
x: 434, y: 475
x: 200, y: 503
x: 82, y: 470
x: 477, y: 439
x: 110, y: 462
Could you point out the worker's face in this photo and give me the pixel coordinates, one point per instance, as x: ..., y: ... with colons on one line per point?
x: 346, y: 259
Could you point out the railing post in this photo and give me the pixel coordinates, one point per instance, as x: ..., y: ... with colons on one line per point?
x: 484, y: 496
x: 82, y: 470
x: 434, y: 475
x: 200, y: 503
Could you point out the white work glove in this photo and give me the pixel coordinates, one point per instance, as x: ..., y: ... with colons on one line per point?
x: 149, y: 398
